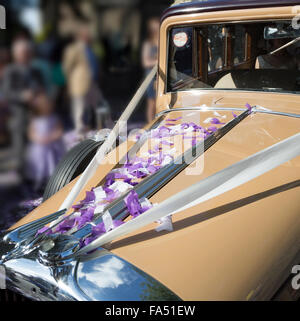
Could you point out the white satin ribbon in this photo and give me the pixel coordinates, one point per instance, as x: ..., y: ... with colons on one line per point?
x: 165, y: 224
x: 108, y: 144
x: 212, y: 186
x: 108, y: 221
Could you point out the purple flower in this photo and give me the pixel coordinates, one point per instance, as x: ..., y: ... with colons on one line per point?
x: 215, y: 121
x: 89, y: 197
x: 95, y: 233
x: 138, y: 136
x: 152, y: 169
x: 77, y: 206
x: 136, y: 170
x: 196, y: 127
x: 98, y: 230
x: 107, y: 190
x: 185, y: 125
x: 65, y: 225
x: 133, y: 205
x: 140, y: 174
x: 129, y: 181
x: 44, y: 230
x: 234, y: 115
x: 109, y: 179
x: 84, y: 242
x: 162, y: 131
x: 212, y: 129
x: 120, y: 176
x: 112, y: 196
x: 85, y: 217
x: 249, y: 107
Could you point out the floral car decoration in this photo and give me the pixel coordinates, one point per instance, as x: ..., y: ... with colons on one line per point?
x: 121, y: 180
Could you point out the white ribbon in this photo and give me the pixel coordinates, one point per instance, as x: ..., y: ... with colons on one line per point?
x: 212, y: 186
x: 108, y: 144
x: 99, y: 209
x: 99, y: 193
x: 108, y: 221
x: 165, y: 224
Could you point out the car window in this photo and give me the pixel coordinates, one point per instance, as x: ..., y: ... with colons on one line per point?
x: 215, y: 48
x: 180, y: 55
x: 239, y: 56
x: 239, y: 36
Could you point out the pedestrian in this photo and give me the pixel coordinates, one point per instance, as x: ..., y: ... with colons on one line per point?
x: 20, y: 79
x: 81, y: 69
x: 20, y: 82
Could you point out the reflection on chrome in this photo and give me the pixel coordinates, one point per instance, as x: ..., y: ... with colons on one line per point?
x: 112, y: 273
x: 97, y: 276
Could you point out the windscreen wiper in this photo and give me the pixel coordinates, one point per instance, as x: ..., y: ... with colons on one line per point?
x: 284, y: 46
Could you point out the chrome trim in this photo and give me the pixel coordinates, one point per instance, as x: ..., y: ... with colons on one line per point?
x: 97, y: 276
x: 28, y: 230
x: 24, y: 240
x: 255, y: 110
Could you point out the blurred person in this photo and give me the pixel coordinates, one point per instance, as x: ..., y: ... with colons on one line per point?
x: 20, y: 78
x: 46, y: 146
x: 149, y: 60
x: 81, y: 68
x: 20, y: 81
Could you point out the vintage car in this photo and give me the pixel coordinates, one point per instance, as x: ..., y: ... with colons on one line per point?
x: 201, y: 205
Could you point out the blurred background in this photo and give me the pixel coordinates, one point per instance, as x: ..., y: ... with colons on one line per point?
x: 67, y: 68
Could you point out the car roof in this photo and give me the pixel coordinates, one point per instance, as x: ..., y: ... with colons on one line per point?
x: 198, y: 6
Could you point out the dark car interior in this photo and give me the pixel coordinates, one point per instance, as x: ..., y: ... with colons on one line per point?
x: 247, y: 56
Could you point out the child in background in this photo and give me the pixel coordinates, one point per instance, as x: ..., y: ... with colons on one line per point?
x: 45, y: 141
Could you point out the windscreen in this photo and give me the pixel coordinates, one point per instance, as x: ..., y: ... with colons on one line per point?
x: 260, y: 56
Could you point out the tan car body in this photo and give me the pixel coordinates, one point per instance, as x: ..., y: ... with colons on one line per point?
x: 242, y: 244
